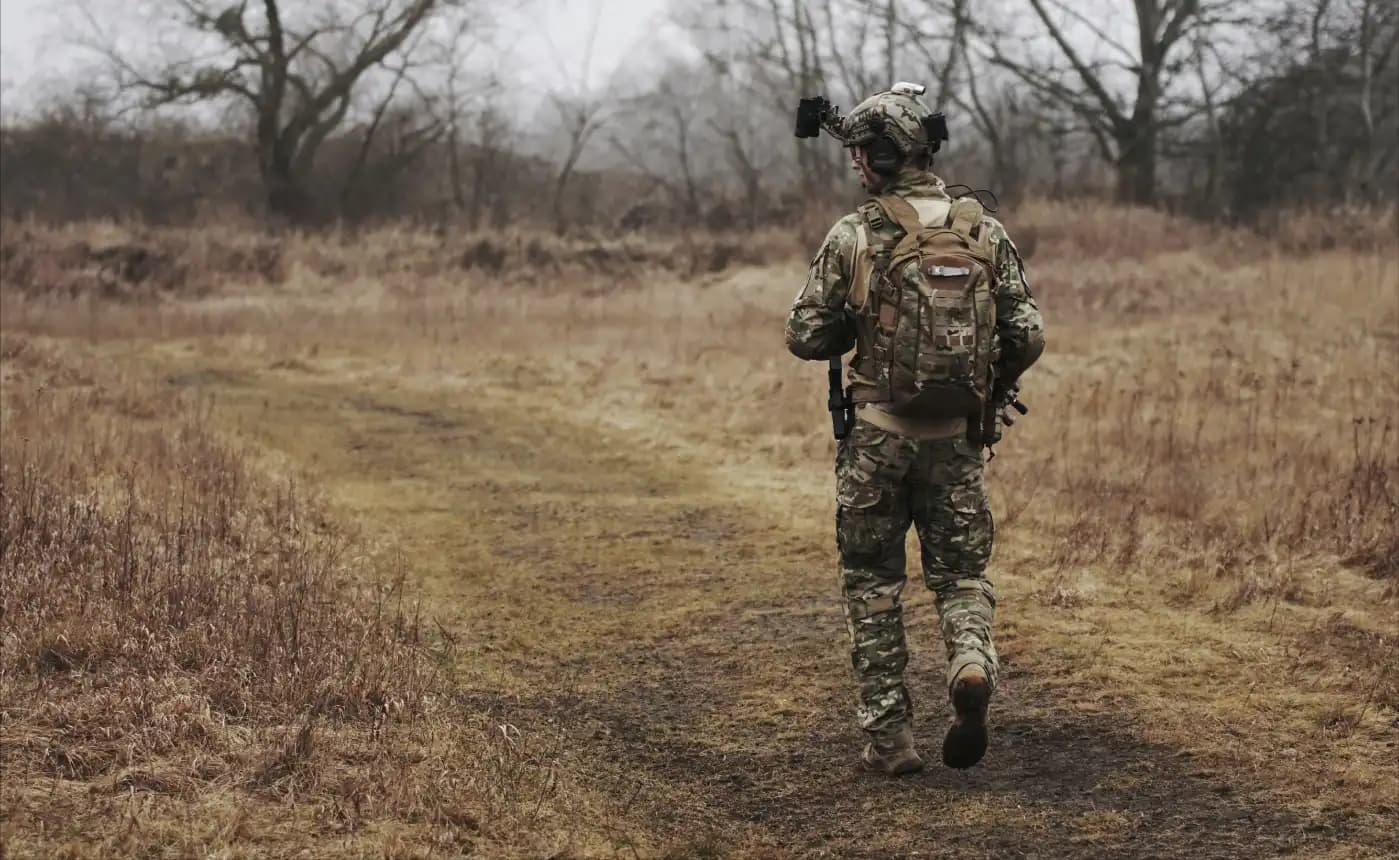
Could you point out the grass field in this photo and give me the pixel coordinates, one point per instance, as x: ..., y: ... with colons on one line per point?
x: 411, y: 545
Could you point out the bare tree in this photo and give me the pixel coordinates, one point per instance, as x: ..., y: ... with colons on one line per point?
x: 939, y: 30
x: 297, y: 77
x: 469, y: 118
x: 1377, y: 45
x: 581, y: 114
x: 1316, y: 116
x: 492, y: 168
x: 1127, y: 136
x: 848, y: 44
x: 779, y: 50
x: 994, y: 115
x: 771, y: 52
x: 742, y: 118
x: 1211, y: 90
x: 668, y: 134
x: 795, y: 46
x: 398, y: 131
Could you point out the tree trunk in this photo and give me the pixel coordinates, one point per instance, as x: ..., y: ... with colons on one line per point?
x: 480, y: 170
x: 561, y: 219
x: 1136, y: 164
x: 454, y: 168
x: 286, y: 193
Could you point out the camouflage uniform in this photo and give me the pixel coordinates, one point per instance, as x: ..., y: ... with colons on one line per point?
x: 892, y: 472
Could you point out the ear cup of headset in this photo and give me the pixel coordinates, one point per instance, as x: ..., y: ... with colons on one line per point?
x: 883, y: 156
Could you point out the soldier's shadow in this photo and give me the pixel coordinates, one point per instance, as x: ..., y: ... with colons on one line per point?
x: 1092, y: 780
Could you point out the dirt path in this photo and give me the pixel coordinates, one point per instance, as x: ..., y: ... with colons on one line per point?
x: 682, y: 633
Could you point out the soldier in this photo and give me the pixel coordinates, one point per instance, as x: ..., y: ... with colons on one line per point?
x: 932, y: 296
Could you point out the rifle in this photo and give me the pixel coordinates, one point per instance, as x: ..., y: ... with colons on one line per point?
x: 839, y: 401
x: 998, y: 411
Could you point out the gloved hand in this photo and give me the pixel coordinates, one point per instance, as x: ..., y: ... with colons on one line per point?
x: 1009, y: 406
x: 1006, y: 408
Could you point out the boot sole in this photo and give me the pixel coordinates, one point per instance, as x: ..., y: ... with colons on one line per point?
x: 967, y: 739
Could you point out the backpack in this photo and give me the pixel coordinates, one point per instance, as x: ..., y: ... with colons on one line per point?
x: 925, y: 308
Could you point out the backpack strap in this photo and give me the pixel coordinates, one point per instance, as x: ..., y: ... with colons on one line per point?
x: 871, y: 253
x: 965, y: 215
x: 907, y: 218
x: 874, y: 216
x: 903, y: 213
x: 864, y: 265
x: 915, y: 231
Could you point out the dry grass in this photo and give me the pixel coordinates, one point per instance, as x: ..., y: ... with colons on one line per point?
x: 1197, y: 520
x: 184, y: 635
x: 110, y: 261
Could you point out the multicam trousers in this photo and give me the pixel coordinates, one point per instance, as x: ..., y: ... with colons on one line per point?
x: 884, y: 483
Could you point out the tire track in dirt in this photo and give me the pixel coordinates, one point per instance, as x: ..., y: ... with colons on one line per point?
x: 690, y: 646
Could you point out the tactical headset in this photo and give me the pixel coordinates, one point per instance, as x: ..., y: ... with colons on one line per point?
x: 882, y: 154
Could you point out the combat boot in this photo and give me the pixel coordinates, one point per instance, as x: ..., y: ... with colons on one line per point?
x: 966, y: 739
x: 892, y: 754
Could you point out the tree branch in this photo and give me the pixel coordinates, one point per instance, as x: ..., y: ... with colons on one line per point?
x: 1090, y: 80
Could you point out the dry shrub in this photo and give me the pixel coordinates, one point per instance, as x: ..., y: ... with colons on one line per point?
x: 1218, y: 480
x: 540, y: 259
x: 107, y: 261
x: 175, y: 624
x: 115, y: 262
x: 143, y: 551
x: 1086, y: 229
x: 1354, y: 228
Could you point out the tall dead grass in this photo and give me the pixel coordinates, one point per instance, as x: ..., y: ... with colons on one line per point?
x: 1235, y: 415
x: 1220, y: 395
x: 1213, y: 475
x: 175, y: 624
x: 115, y: 262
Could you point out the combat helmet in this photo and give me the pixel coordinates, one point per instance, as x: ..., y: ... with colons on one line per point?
x: 894, y: 126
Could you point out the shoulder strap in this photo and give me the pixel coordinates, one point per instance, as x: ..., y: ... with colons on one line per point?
x: 907, y: 218
x: 903, y: 213
x: 873, y: 253
x: 874, y: 216
x: 864, y: 266
x: 966, y: 214
x: 964, y: 217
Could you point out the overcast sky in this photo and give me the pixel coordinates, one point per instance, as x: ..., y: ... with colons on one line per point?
x: 35, y: 54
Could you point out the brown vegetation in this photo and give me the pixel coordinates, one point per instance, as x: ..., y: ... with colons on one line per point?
x: 191, y: 647
x: 612, y: 485
x: 107, y: 261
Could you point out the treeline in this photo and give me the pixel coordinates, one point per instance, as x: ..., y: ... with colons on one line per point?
x: 375, y: 109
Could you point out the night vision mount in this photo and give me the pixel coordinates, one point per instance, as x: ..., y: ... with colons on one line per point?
x: 816, y: 112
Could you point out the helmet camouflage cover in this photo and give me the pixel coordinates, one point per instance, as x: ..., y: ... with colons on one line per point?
x: 899, y: 115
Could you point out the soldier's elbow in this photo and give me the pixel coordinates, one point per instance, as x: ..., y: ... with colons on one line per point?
x: 1019, y: 353
x: 1034, y: 347
x: 802, y: 349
